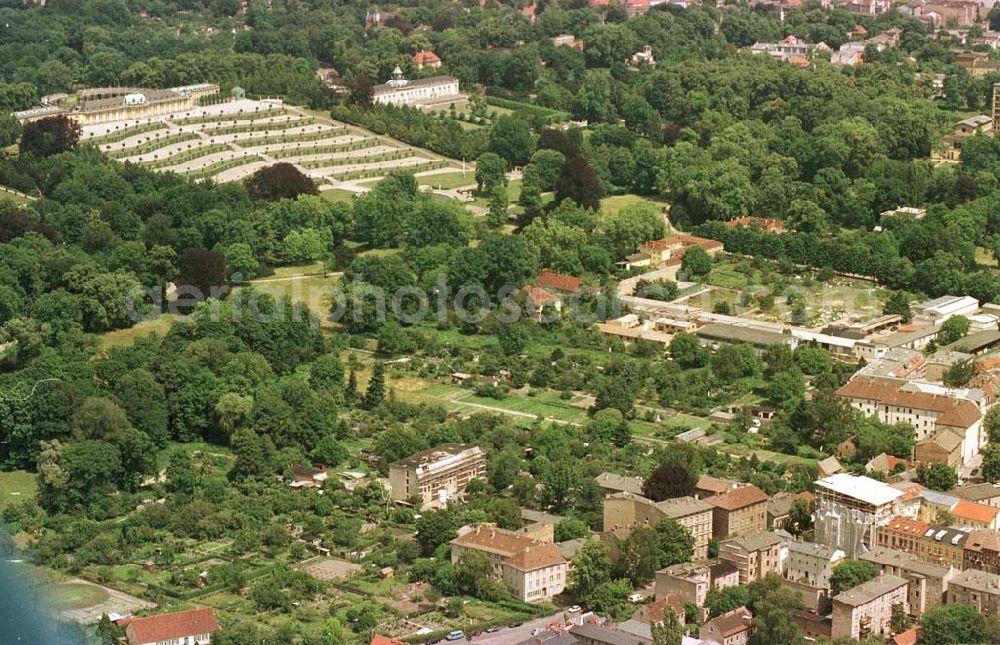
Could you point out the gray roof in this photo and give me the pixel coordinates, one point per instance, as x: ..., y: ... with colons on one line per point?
x: 976, y: 492
x: 569, y: 548
x: 905, y: 562
x: 975, y: 341
x: 869, y: 591
x: 780, y: 506
x: 811, y: 549
x: 614, y: 481
x: 683, y: 506
x: 531, y: 515
x: 603, y: 634
x: 754, y: 541
x: 385, y: 88
x: 740, y: 334
x: 977, y: 580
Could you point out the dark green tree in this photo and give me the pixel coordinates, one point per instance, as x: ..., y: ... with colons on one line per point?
x: 375, y: 393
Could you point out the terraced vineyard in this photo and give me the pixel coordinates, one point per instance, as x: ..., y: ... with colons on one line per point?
x: 230, y: 141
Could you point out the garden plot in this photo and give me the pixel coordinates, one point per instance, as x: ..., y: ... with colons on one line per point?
x: 231, y: 140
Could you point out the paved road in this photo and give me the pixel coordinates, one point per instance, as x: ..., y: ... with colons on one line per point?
x: 508, y: 636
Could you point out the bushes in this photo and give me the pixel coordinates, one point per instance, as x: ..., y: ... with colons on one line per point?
x: 416, y: 128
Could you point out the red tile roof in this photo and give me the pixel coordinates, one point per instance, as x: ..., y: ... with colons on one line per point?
x: 162, y: 627
x: 956, y: 413
x: 739, y: 498
x: 908, y: 526
x: 909, y: 637
x: 425, y: 57
x: 974, y: 512
x: 766, y: 224
x: 539, y: 296
x: 560, y: 281
x: 656, y: 611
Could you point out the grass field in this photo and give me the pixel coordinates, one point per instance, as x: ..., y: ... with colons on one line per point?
x: 611, y: 205
x: 17, y: 198
x: 449, y: 180
x: 338, y: 195
x: 73, y: 595
x: 16, y: 486
x: 121, y: 337
x: 313, y: 291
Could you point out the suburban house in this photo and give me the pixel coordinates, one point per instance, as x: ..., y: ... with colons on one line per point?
x: 533, y: 571
x: 866, y: 610
x: 426, y: 58
x: 542, y: 302
x: 191, y: 627
x: 950, y: 150
x: 738, y: 512
x: 437, y: 475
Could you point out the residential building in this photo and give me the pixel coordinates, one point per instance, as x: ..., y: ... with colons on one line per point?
x: 926, y: 412
x: 716, y: 334
x: 690, y: 582
x: 612, y: 483
x: 191, y: 627
x: 829, y: 466
x: 708, y: 486
x: 902, y: 534
x: 625, y: 510
x: 731, y: 628
x: 982, y: 551
x: 438, y: 475
x: 978, y: 589
x: 849, y: 509
x: 944, y: 546
x: 941, y: 447
x: 559, y: 281
x: 533, y: 571
x: 950, y: 150
x: 418, y: 92
x: 544, y: 305
x: 958, y: 13
x: 811, y: 563
x: 927, y: 582
x: 754, y: 555
x: 986, y: 493
x: 426, y: 58
x: 738, y: 512
x: 866, y: 610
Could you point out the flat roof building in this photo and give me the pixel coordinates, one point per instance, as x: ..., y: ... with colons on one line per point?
x: 438, y: 475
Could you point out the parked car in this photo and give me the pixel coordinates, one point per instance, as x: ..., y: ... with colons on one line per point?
x: 432, y: 641
x: 456, y: 635
x: 514, y: 624
x: 636, y: 597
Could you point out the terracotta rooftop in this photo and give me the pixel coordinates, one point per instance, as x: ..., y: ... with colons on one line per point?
x: 379, y: 639
x: 716, y: 485
x: 908, y: 526
x: 909, y: 637
x: 979, y: 513
x: 517, y: 550
x: 957, y: 413
x: 176, y: 625
x: 559, y: 281
x: 539, y: 297
x: 656, y: 611
x: 739, y: 498
x: 426, y: 57
x: 683, y: 241
x: 767, y: 225
x: 732, y: 622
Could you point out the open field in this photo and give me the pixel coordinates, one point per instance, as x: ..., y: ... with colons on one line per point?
x: 230, y: 141
x: 449, y: 180
x: 121, y: 337
x: 16, y: 486
x: 13, y: 196
x: 611, y: 205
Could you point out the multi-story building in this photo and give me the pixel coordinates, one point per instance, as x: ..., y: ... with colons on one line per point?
x: 689, y: 581
x: 944, y: 546
x: 438, y: 475
x: 731, y: 628
x: 738, y: 512
x: 533, y: 571
x: 979, y: 589
x: 927, y: 582
x: 625, y: 510
x: 982, y: 551
x: 811, y: 563
x: 419, y: 92
x: 866, y: 610
x: 612, y: 483
x: 754, y: 555
x: 191, y: 627
x: 987, y: 494
x: 928, y: 413
x: 849, y: 510
x: 902, y: 534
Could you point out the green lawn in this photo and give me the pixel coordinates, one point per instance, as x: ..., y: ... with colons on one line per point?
x: 17, y: 198
x: 611, y: 205
x: 73, y: 595
x: 17, y: 485
x: 449, y: 180
x: 121, y: 337
x: 338, y: 195
x: 313, y: 291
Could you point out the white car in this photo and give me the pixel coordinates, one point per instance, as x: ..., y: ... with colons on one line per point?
x: 636, y: 597
x: 574, y: 609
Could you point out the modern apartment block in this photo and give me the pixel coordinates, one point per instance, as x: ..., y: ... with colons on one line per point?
x: 437, y: 476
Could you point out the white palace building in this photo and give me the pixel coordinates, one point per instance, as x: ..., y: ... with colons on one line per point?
x: 421, y: 92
